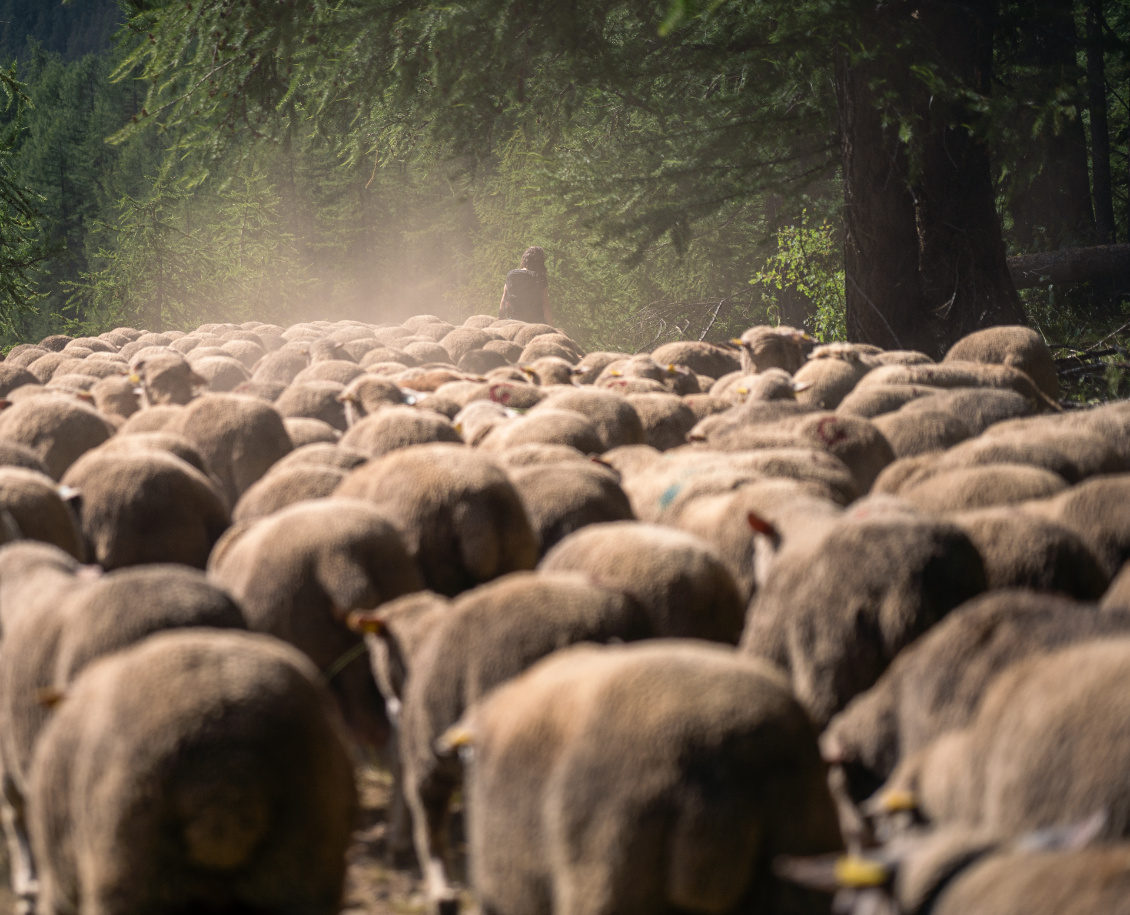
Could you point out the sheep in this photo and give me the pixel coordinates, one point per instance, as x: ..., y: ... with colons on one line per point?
x: 478, y: 418
x: 557, y: 360
x: 1023, y: 550
x: 338, y: 370
x: 1094, y: 510
x: 763, y: 347
x: 936, y: 684
x: 304, y: 431
x: 545, y: 426
x: 1117, y: 595
x: 385, y: 354
x: 704, y: 358
x: 115, y: 396
x: 961, y: 375
x: 835, y: 610
x: 320, y: 454
x: 248, y: 352
x: 426, y: 352
x: 665, y: 419
x: 679, y: 579
x: 1009, y: 773
x: 481, y: 361
x: 393, y: 428
x: 146, y: 507
x: 281, y: 365
x: 735, y: 522
x: 166, y: 378
x: 656, y: 483
x: 301, y: 571
x: 487, y: 636
x: 461, y: 518
x: 240, y: 438
x: 38, y: 510
x: 366, y: 394
x: 15, y: 455
x: 510, y: 394
x: 34, y: 573
x: 1020, y: 347
x: 176, y: 445
x: 221, y: 373
x: 49, y: 643
x: 547, y: 370
x: 885, y: 398
x: 772, y: 384
x: 57, y: 428
x: 314, y: 400
x: 508, y: 350
x: 14, y: 376
x: 530, y: 455
x: 561, y: 498
x: 281, y: 487
x: 232, y: 786
x: 829, y: 375
x: 964, y: 488
x: 24, y: 354
x: 644, y: 778
x: 525, y: 332
x: 593, y: 364
x: 911, y: 433
x: 704, y: 405
x: 855, y: 441
x: 44, y: 367
x: 616, y: 421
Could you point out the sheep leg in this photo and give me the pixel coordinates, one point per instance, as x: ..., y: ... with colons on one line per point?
x: 399, y: 831
x: 24, y: 883
x: 429, y: 803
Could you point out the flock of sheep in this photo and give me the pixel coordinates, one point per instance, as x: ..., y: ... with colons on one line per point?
x: 715, y: 629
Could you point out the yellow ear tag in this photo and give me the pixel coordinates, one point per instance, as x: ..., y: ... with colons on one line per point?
x: 134, y: 378
x: 458, y: 737
x: 897, y: 800
x: 615, y: 373
x: 854, y: 872
x: 743, y: 390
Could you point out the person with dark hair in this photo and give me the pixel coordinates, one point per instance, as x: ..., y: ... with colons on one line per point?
x: 526, y: 293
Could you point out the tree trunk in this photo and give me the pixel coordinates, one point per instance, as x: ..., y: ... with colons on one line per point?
x: 924, y: 257
x: 1100, y: 135
x: 1050, y: 199
x: 883, y: 294
x: 965, y: 276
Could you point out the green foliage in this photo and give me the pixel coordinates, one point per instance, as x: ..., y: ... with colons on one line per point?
x: 163, y: 267
x: 21, y: 249
x: 808, y: 262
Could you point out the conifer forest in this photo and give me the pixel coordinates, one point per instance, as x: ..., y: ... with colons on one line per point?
x: 871, y: 172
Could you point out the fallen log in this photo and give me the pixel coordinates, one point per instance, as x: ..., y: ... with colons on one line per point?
x: 1070, y: 265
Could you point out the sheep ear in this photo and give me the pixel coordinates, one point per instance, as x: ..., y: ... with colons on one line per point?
x: 799, y: 386
x: 196, y: 380
x: 4, y: 403
x: 759, y: 525
x: 366, y: 622
x: 50, y: 696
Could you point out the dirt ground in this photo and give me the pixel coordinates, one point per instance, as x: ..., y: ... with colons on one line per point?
x: 373, y: 887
